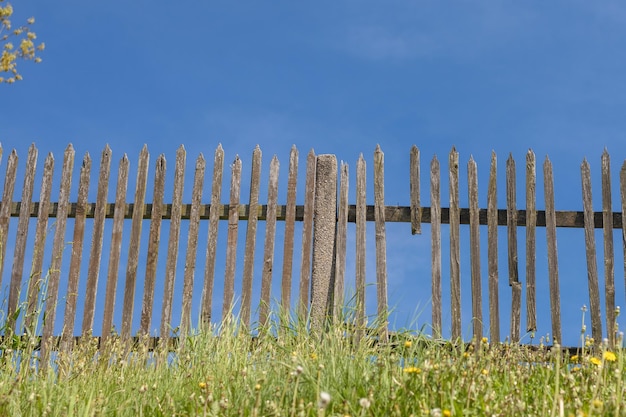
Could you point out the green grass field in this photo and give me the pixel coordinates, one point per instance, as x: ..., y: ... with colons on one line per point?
x: 298, y: 374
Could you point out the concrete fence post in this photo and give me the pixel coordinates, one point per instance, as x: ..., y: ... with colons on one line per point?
x: 325, y: 218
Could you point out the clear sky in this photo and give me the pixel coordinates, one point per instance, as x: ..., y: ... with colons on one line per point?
x: 341, y: 77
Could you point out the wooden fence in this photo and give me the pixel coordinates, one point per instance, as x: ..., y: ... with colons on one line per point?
x: 324, y: 218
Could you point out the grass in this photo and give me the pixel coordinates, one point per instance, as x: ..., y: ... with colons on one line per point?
x: 224, y: 373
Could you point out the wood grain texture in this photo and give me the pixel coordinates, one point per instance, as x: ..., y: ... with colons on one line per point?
x: 531, y: 251
x: 492, y: 251
x: 231, y: 239
x: 251, y: 231
x: 477, y: 310
x: 511, y: 203
x: 5, y: 206
x: 58, y: 245
x: 435, y: 231
x: 130, y: 282
x: 192, y: 245
x: 416, y: 215
x: 268, y: 247
x: 553, y: 265
x: 172, y: 245
x: 17, y: 271
x: 307, y: 236
x: 290, y: 226
x: 341, y: 243
x: 381, y: 240
x: 209, y: 269
x: 154, y: 237
x: 361, y: 236
x: 77, y: 256
x: 609, y: 261
x: 455, y: 246
x: 590, y: 250
x: 116, y: 247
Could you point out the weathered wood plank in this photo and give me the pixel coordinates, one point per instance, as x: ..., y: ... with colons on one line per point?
x: 477, y: 309
x: 77, y: 256
x: 58, y: 246
x: 5, y: 206
x: 135, y: 240
x: 36, y: 275
x: 435, y: 235
x: 341, y: 243
x: 531, y: 252
x: 154, y: 238
x: 553, y: 269
x: 416, y: 215
x: 251, y: 230
x: 622, y: 185
x: 116, y: 248
x: 590, y: 250
x: 381, y: 239
x: 209, y: 269
x: 516, y: 288
x: 492, y: 251
x: 455, y: 248
x: 192, y: 245
x: 307, y: 236
x: 361, y: 255
x: 231, y: 243
x: 609, y: 262
x: 270, y: 236
x: 290, y: 225
x: 173, y: 244
x: 21, y: 237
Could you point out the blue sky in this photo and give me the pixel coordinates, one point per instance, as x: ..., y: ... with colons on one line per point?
x: 341, y: 77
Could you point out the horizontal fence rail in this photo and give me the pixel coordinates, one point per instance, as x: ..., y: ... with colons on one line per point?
x: 324, y: 216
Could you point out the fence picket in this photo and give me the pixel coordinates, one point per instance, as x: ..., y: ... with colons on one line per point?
x: 135, y: 240
x: 116, y: 247
x: 516, y: 287
x: 531, y: 224
x: 77, y: 255
x: 381, y: 239
x: 209, y: 269
x: 416, y: 210
x: 341, y: 243
x: 477, y: 310
x: 553, y: 271
x: 58, y: 246
x: 307, y: 234
x: 609, y: 263
x: 270, y: 235
x: 455, y: 248
x: 231, y: 245
x: 5, y: 206
x: 590, y: 250
x: 21, y: 236
x: 192, y: 245
x: 36, y: 276
x: 361, y: 225
x: 290, y: 220
x: 622, y: 185
x: 492, y: 251
x: 435, y: 231
x: 253, y: 216
x: 173, y: 244
x: 154, y: 238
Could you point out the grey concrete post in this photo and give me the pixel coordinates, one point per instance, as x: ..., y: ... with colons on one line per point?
x: 325, y: 217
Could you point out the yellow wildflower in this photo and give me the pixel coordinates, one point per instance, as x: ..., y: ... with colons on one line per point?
x: 408, y: 344
x: 595, y: 361
x: 202, y: 385
x: 596, y: 403
x: 609, y: 356
x: 446, y: 413
x: 484, y: 372
x: 574, y: 358
x: 484, y: 340
x: 412, y: 370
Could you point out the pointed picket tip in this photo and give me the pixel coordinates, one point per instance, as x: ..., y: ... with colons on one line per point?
x: 125, y: 157
x: 453, y: 149
x: 201, y: 157
x: 145, y: 148
x: 50, y: 157
x: 435, y: 157
x: 219, y: 147
x: 471, y: 160
x: 361, y: 155
x: 69, y: 148
x: 378, y: 150
x: 312, y: 151
x: 86, y: 160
